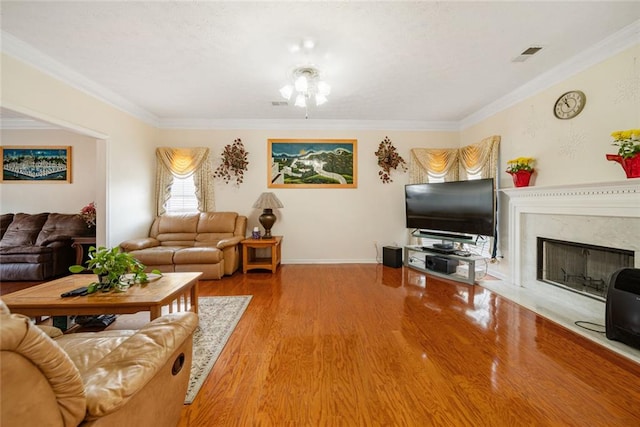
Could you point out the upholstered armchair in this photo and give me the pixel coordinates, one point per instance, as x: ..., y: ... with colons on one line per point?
x: 109, y: 378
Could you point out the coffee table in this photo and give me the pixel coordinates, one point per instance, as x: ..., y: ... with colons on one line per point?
x: 178, y: 291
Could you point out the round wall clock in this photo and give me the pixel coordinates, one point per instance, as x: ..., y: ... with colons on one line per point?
x: 569, y: 105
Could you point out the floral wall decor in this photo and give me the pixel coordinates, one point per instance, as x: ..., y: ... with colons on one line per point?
x: 234, y: 163
x: 388, y: 158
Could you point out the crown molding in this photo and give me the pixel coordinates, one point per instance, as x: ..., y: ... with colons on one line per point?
x: 307, y: 124
x: 610, y: 46
x: 24, y: 52
x: 25, y: 124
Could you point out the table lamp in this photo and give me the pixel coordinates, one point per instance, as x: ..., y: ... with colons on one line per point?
x: 267, y: 202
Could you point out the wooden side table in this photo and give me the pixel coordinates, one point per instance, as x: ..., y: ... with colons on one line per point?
x: 77, y: 245
x: 251, y: 262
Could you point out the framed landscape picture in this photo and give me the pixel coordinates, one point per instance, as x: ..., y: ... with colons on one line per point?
x: 36, y: 164
x: 312, y: 163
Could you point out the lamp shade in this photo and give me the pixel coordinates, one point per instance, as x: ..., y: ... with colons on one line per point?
x: 268, y: 201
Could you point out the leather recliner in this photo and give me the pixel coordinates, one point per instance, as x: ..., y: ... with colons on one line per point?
x: 109, y: 378
x: 207, y: 242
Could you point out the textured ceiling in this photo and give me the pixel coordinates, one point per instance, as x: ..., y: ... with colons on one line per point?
x: 405, y: 61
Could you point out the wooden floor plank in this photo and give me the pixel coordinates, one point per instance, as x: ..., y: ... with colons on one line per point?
x: 365, y: 344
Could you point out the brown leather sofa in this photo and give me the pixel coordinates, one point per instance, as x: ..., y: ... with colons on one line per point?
x: 38, y: 246
x: 206, y: 242
x: 109, y: 378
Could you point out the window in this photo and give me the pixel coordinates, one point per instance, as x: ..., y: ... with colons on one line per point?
x: 183, y: 196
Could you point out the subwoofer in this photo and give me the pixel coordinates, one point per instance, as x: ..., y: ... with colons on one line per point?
x: 622, y: 308
x: 392, y: 256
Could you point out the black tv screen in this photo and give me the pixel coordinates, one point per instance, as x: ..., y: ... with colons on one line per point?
x: 465, y: 207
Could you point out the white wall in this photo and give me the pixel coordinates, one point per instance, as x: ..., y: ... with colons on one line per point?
x: 47, y: 197
x: 319, y: 225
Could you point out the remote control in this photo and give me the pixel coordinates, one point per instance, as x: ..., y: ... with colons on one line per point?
x: 76, y: 292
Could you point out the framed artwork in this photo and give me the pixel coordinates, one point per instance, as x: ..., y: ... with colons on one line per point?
x: 36, y: 164
x: 312, y: 163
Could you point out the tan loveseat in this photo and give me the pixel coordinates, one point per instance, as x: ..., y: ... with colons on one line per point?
x: 208, y: 242
x: 110, y: 378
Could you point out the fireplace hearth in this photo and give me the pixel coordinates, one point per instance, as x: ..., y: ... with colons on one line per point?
x: 578, y: 267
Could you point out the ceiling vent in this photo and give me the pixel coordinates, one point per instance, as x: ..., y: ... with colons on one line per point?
x: 527, y: 53
x: 279, y: 103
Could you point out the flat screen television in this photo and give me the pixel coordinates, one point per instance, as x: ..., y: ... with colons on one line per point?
x: 457, y: 207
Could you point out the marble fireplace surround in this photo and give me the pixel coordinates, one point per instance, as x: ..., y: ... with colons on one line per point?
x: 603, y: 214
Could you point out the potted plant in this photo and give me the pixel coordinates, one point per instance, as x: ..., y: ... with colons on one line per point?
x: 521, y: 170
x: 628, y: 143
x: 111, y: 265
x: 388, y: 158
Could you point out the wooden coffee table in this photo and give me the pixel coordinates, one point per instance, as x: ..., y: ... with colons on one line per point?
x: 178, y: 291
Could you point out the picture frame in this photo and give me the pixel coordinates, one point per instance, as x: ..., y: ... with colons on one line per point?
x: 22, y: 164
x: 312, y: 163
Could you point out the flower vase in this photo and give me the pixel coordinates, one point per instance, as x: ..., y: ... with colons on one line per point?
x: 631, y: 165
x: 521, y: 178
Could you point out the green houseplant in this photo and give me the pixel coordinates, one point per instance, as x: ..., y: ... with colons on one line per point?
x: 111, y: 264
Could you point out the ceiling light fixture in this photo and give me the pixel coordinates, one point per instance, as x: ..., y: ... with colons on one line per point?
x: 307, y: 86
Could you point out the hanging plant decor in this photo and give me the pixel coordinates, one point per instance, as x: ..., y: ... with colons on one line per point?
x: 388, y: 158
x: 234, y: 163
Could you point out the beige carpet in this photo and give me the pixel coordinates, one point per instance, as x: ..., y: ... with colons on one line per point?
x: 218, y: 318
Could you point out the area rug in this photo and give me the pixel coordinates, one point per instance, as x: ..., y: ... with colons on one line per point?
x: 218, y: 318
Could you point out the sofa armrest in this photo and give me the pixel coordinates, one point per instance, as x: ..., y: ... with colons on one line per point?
x: 232, y: 241
x: 127, y: 369
x: 137, y: 244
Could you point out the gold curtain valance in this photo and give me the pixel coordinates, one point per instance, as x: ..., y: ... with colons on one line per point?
x: 455, y: 163
x: 182, y: 162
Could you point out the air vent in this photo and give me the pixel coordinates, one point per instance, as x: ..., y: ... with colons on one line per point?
x: 532, y: 50
x: 527, y: 53
x: 279, y: 103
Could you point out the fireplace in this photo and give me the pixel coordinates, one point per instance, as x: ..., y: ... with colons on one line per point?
x: 599, y: 214
x: 578, y: 267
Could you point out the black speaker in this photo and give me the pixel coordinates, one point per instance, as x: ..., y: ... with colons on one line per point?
x: 622, y: 309
x: 440, y: 264
x: 392, y: 256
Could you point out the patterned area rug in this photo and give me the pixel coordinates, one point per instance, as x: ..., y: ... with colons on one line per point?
x: 218, y: 318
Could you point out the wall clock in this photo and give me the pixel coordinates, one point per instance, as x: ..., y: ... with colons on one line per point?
x: 569, y: 104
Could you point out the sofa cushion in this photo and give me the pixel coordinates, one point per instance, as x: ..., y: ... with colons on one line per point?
x: 25, y: 254
x: 24, y: 229
x: 5, y: 220
x: 186, y: 223
x: 198, y: 255
x: 217, y: 222
x: 159, y: 255
x: 62, y: 226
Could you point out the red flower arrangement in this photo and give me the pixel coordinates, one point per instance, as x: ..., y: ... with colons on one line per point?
x: 88, y: 213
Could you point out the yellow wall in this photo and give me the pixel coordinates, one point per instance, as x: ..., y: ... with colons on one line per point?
x: 124, y: 159
x: 336, y: 225
x: 52, y: 197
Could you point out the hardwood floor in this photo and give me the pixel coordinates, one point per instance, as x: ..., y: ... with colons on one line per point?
x: 368, y: 345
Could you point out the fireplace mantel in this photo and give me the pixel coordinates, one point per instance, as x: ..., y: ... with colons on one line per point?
x: 606, y: 199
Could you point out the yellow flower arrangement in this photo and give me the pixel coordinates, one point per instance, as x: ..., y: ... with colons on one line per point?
x: 628, y: 142
x: 520, y: 164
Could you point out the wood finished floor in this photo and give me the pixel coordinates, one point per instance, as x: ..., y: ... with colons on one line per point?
x: 368, y: 345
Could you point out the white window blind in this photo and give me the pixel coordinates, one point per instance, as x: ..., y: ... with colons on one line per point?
x: 183, y: 196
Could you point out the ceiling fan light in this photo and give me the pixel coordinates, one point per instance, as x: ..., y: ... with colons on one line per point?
x: 324, y: 88
x: 320, y: 99
x: 302, y: 84
x: 300, y: 101
x: 286, y: 91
